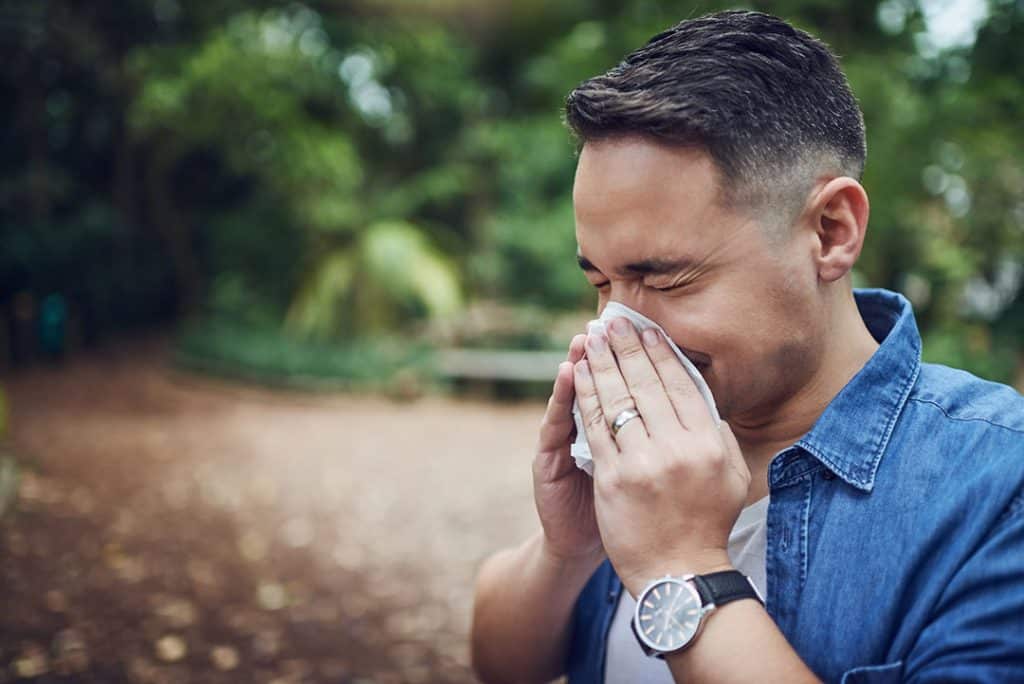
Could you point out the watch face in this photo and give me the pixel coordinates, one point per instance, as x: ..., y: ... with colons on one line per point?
x: 668, y: 614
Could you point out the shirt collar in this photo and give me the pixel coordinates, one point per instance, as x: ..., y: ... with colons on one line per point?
x: 851, y: 435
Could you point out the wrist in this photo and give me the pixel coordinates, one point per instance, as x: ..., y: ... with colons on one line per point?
x: 702, y: 563
x: 585, y: 562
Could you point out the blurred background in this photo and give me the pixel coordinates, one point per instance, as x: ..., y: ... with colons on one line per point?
x: 282, y: 288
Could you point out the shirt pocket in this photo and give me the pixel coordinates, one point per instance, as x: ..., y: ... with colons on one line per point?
x: 889, y: 673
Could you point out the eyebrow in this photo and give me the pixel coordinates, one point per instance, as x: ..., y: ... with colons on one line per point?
x: 653, y: 266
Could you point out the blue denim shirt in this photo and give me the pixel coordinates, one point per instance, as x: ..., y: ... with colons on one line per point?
x: 895, y: 537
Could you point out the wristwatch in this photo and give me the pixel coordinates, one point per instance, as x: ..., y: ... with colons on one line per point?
x: 670, y: 611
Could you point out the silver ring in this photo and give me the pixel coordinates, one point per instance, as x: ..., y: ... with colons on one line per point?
x: 623, y: 418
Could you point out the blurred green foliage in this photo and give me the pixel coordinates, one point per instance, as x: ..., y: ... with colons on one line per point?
x: 267, y: 356
x: 329, y: 171
x: 388, y: 276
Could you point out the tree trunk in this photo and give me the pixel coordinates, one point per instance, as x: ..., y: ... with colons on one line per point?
x: 172, y: 226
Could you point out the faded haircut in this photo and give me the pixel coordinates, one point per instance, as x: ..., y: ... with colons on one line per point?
x: 766, y: 101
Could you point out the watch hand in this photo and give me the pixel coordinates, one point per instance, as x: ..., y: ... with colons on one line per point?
x: 672, y: 608
x: 670, y: 611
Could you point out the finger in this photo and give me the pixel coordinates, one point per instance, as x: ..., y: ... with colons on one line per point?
x: 687, y: 400
x: 557, y: 423
x: 733, y: 451
x: 576, y: 350
x: 613, y: 394
x: 602, y: 445
x: 642, y: 380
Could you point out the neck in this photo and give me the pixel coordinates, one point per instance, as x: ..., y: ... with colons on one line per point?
x: 847, y: 347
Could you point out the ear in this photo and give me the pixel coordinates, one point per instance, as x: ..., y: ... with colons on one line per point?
x: 839, y: 212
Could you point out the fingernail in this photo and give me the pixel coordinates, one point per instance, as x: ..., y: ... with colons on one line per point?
x: 597, y: 342
x: 651, y: 337
x: 619, y: 326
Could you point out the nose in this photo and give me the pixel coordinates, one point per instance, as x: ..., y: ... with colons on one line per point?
x: 629, y: 293
x: 622, y: 292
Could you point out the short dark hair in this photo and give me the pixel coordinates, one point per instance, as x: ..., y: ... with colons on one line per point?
x: 766, y: 101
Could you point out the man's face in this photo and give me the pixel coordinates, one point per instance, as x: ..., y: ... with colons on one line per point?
x: 744, y: 306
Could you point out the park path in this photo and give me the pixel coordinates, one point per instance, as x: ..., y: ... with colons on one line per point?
x: 173, y: 529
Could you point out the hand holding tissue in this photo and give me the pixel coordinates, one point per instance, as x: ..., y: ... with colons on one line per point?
x: 580, y: 449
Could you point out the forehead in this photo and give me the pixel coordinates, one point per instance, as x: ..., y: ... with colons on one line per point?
x: 635, y: 199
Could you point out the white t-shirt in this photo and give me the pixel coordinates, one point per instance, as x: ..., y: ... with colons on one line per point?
x: 625, y: 661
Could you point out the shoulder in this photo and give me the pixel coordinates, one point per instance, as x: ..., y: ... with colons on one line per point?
x: 959, y: 443
x: 958, y: 399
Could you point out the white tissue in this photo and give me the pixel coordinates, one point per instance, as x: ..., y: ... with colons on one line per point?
x: 581, y: 449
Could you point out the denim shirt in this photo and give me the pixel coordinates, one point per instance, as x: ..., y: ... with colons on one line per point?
x: 895, y: 536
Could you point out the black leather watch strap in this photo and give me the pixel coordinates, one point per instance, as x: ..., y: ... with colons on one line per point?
x: 722, y: 587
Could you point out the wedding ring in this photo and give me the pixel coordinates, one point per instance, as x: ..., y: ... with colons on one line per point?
x: 623, y: 418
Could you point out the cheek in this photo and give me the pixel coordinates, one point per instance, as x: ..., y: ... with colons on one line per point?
x: 778, y: 334
x: 750, y: 341
x: 696, y: 323
x: 774, y: 355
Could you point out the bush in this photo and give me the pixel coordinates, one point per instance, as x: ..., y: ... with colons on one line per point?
x: 268, y: 356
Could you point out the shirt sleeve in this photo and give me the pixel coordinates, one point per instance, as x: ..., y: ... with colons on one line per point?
x: 977, y: 630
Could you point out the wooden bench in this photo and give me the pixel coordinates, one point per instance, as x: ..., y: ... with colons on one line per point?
x: 498, y: 365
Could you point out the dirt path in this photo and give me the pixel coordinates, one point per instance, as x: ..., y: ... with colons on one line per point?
x: 171, y: 529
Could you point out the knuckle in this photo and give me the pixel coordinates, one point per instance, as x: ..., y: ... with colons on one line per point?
x: 536, y: 465
x: 609, y: 483
x: 679, y: 466
x: 576, y: 347
x: 661, y: 353
x: 594, y: 419
x: 550, y: 435
x: 630, y: 350
x: 639, y: 478
x: 681, y: 386
x: 555, y: 413
x: 545, y: 425
x: 620, y: 404
x: 713, y: 455
x: 648, y: 383
x: 601, y: 362
x: 586, y: 392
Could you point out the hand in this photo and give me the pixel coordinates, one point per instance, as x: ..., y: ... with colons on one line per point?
x: 669, y: 487
x: 563, y: 493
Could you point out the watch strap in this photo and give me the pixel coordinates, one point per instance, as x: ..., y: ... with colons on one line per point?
x: 723, y: 587
x: 648, y: 651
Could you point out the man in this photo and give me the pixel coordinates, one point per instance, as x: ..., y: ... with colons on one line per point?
x: 882, y: 498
